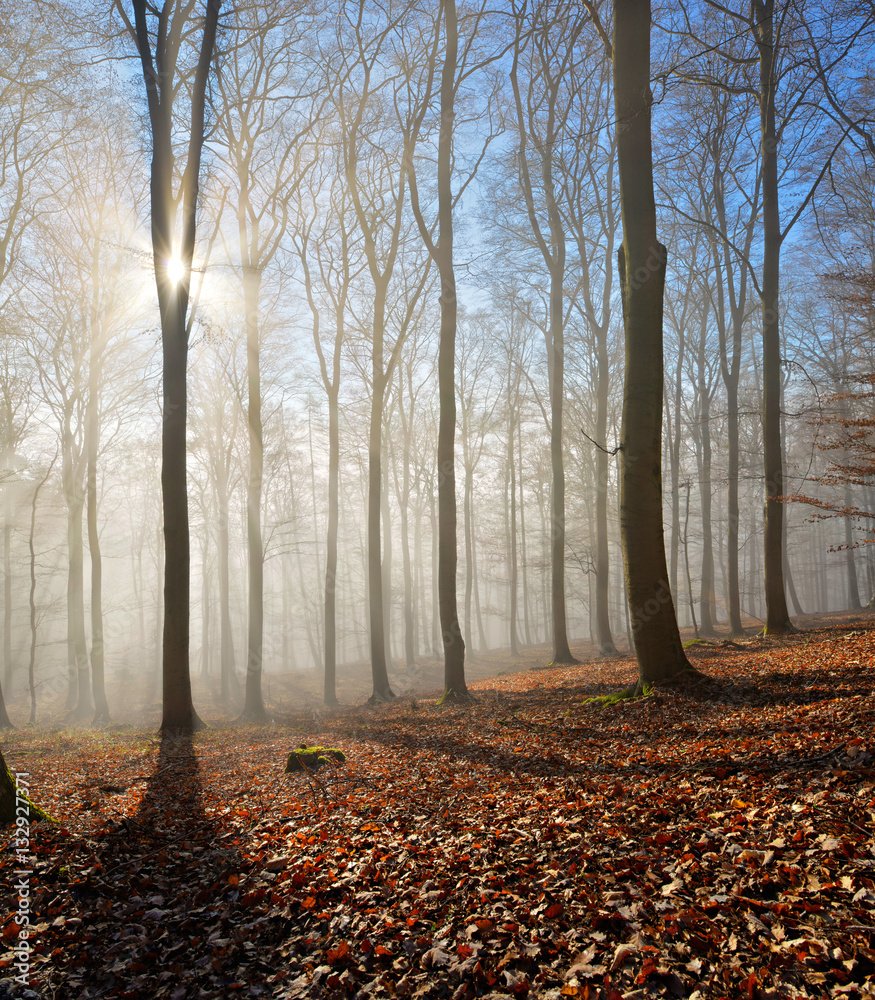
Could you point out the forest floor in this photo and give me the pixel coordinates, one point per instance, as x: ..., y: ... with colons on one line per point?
x: 711, y: 840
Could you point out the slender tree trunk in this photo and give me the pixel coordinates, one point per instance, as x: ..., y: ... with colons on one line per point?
x: 675, y: 466
x: 92, y: 433
x: 469, y: 548
x: 7, y: 599
x: 732, y: 512
x: 205, y: 606
x: 510, y: 508
x: 851, y: 565
x: 159, y: 610
x: 707, y: 597
x: 524, y: 576
x: 330, y: 683
x: 77, y: 651
x: 253, y: 706
x: 691, y: 601
x: 226, y: 639
x: 409, y: 604
x: 32, y: 601
x: 604, y: 637
x: 386, y: 514
x: 642, y: 260
x: 380, y: 675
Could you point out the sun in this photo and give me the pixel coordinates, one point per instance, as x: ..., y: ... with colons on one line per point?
x: 175, y: 268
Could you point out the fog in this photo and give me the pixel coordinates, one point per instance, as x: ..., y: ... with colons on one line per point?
x: 314, y: 297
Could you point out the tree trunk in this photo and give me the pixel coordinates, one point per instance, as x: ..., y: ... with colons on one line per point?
x: 253, y: 705
x: 226, y: 639
x: 777, y: 616
x: 851, y: 566
x: 92, y: 433
x: 379, y: 672
x: 707, y: 596
x: 205, y: 606
x: 77, y: 651
x: 455, y: 687
x: 604, y: 637
x: 14, y: 800
x: 642, y: 260
x: 7, y: 599
x: 173, y: 300
x: 330, y: 638
x: 409, y: 604
x: 524, y: 575
x: 733, y: 515
x: 510, y: 509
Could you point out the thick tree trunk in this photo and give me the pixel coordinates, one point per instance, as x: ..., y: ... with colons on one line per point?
x: 159, y: 75
x: 179, y: 710
x: 642, y: 261
x: 777, y: 616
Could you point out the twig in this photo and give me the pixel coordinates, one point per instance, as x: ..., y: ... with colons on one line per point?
x: 601, y: 447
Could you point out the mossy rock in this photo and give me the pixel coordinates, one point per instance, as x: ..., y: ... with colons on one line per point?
x: 311, y: 759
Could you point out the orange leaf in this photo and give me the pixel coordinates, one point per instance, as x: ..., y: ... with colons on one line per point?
x: 309, y: 902
x: 334, y: 954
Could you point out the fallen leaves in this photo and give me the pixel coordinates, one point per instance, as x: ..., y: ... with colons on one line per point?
x: 707, y: 842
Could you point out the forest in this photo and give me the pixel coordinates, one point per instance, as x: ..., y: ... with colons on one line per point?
x: 479, y: 394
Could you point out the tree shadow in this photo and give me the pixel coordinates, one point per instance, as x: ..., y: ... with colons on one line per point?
x: 171, y: 872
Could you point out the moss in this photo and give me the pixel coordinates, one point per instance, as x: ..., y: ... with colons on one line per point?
x: 627, y: 694
x: 311, y: 759
x: 10, y: 797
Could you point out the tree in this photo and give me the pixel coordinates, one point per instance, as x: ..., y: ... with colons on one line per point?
x: 162, y: 52
x: 540, y: 118
x: 441, y: 252
x: 642, y: 261
x: 262, y: 131
x: 375, y: 152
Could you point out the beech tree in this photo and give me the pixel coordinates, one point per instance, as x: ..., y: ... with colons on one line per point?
x: 375, y: 150
x: 163, y: 36
x: 642, y: 260
x: 263, y: 125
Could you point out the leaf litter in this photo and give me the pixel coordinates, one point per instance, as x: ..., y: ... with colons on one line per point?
x: 712, y: 840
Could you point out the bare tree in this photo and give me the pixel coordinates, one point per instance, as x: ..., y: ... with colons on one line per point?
x: 163, y: 36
